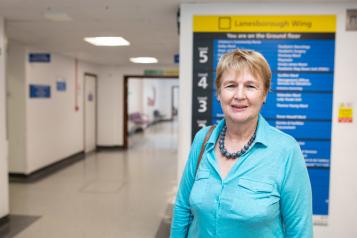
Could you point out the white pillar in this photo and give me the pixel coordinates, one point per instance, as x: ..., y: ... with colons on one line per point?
x: 4, y: 183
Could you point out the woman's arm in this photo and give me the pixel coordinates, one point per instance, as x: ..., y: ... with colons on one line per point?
x: 296, y: 197
x: 182, y: 211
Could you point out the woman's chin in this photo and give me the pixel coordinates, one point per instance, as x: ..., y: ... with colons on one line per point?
x: 240, y: 118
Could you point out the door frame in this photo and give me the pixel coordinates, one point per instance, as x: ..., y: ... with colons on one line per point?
x: 84, y: 108
x: 126, y: 80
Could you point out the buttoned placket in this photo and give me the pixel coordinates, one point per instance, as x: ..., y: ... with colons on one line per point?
x: 232, y: 175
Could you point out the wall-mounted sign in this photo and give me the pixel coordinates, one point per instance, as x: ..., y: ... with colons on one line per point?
x: 61, y: 86
x: 159, y: 72
x: 300, y: 101
x: 345, y: 112
x: 39, y: 57
x: 40, y: 91
x: 90, y: 97
x: 351, y: 20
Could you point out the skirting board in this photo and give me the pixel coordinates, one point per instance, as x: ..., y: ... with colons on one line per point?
x: 110, y: 147
x: 4, y: 220
x: 46, y: 171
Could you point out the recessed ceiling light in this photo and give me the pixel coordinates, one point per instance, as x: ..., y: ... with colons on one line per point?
x: 56, y: 15
x: 107, y: 41
x: 144, y: 60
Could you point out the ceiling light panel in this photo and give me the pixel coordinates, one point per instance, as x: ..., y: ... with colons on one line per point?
x: 144, y: 60
x: 107, y: 41
x: 57, y: 16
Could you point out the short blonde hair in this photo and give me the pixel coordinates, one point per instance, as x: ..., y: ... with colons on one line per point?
x: 244, y: 59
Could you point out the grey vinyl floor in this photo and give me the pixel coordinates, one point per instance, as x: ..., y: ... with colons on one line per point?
x: 121, y: 194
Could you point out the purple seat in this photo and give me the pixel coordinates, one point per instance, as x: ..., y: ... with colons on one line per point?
x: 138, y: 118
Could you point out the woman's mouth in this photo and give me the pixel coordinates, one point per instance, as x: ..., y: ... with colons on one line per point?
x: 239, y: 107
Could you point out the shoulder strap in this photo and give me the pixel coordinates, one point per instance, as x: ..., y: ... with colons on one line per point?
x: 203, y: 146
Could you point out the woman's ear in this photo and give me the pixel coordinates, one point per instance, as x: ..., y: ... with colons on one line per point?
x: 265, y: 98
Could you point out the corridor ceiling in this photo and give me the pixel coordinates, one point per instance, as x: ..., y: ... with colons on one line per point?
x: 149, y: 25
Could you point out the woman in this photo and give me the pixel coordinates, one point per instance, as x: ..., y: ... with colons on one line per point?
x: 252, y: 180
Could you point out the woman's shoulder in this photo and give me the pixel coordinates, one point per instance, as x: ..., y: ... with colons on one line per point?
x: 201, y: 134
x: 283, y: 138
x: 286, y: 148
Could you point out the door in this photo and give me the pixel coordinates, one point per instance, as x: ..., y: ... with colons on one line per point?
x: 90, y: 104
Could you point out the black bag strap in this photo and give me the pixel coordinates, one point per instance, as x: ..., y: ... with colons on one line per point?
x: 204, y: 145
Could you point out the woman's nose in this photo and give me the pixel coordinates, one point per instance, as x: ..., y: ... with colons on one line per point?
x: 239, y: 93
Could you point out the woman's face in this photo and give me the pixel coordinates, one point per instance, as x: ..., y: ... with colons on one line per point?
x: 241, y: 96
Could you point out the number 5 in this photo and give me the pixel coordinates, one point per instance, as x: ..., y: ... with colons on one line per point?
x: 203, y: 55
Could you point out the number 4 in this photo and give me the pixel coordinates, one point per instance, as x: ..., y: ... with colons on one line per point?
x: 203, y: 82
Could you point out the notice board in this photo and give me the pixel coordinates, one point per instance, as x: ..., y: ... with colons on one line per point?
x: 300, y: 50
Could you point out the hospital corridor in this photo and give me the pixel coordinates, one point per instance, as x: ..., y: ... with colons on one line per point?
x: 106, y: 194
x: 179, y: 118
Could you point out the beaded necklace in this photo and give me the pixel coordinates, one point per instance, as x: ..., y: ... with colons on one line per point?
x: 237, y: 154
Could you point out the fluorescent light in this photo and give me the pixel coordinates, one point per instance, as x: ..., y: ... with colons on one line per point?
x: 144, y: 60
x: 107, y: 41
x: 57, y: 16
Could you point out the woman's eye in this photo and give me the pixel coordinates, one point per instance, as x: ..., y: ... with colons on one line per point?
x: 251, y: 86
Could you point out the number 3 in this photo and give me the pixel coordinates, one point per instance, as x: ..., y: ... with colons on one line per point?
x: 203, y: 104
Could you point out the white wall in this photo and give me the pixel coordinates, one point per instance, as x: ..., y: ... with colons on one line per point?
x: 50, y: 129
x: 43, y: 130
x: 4, y: 187
x: 135, y: 95
x: 135, y: 101
x: 111, y: 102
x: 54, y: 128
x: 140, y: 91
x: 110, y: 107
x: 16, y: 106
x: 343, y: 188
x: 150, y: 92
x: 163, y: 96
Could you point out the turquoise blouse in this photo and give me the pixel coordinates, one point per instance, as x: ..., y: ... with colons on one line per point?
x: 267, y: 192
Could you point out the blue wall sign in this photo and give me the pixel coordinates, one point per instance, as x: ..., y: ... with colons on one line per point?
x: 61, y: 86
x: 176, y: 58
x: 90, y: 97
x: 40, y: 91
x: 39, y: 57
x: 301, y: 97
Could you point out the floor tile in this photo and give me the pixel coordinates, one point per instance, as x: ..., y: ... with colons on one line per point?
x: 109, y: 194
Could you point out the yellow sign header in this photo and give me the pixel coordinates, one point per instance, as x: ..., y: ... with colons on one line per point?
x: 288, y: 23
